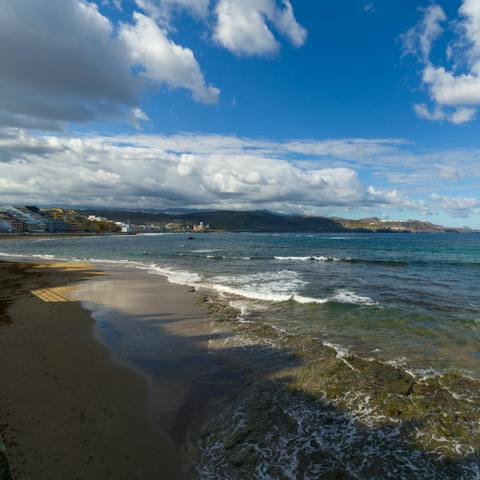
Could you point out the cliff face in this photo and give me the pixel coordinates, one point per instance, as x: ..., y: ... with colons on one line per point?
x: 264, y: 221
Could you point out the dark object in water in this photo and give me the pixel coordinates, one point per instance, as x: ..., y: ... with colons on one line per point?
x: 191, y: 238
x: 5, y: 472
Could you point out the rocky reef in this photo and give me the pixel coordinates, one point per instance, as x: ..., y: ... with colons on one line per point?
x: 307, y: 411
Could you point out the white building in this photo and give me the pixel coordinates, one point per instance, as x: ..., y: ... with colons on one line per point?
x: 126, y: 227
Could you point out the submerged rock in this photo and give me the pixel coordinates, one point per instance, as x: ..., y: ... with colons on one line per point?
x: 308, y: 412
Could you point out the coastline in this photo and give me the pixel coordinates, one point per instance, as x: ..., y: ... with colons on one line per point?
x: 67, y: 410
x: 17, y: 236
x: 163, y: 331
x: 238, y: 398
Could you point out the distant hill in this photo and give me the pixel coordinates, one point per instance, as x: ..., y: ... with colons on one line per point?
x: 378, y: 225
x: 265, y: 221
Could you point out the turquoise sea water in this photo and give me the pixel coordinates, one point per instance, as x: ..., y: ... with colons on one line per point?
x: 411, y: 299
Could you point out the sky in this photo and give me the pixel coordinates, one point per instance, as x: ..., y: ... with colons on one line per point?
x: 352, y: 108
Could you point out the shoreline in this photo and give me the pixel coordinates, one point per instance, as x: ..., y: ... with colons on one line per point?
x: 245, y: 381
x: 18, y: 236
x: 68, y: 409
x: 162, y: 330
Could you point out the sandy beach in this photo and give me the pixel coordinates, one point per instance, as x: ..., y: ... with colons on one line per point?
x: 68, y: 410
x: 113, y: 372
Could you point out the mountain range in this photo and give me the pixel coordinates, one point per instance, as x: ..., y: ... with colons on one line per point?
x: 266, y: 221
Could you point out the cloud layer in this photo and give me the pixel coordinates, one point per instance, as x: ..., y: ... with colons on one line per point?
x: 209, y: 171
x: 64, y: 61
x: 156, y: 171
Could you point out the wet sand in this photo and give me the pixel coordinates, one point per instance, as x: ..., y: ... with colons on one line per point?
x: 163, y: 331
x: 127, y: 376
x: 68, y: 409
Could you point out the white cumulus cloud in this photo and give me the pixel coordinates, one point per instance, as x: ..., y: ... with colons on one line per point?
x: 163, y: 10
x: 162, y: 61
x: 244, y: 26
x: 181, y: 170
x: 454, y: 87
x: 63, y: 61
x: 218, y: 171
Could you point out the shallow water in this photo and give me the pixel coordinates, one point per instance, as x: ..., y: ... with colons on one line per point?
x: 357, y: 348
x: 404, y: 298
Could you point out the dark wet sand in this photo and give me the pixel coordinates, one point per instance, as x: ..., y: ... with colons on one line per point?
x: 68, y: 410
x: 163, y: 331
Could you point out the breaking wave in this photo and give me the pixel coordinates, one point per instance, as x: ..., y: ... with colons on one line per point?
x: 312, y: 258
x: 282, y: 286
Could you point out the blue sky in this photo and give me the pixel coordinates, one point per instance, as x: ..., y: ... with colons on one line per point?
x: 348, y: 80
x: 353, y: 108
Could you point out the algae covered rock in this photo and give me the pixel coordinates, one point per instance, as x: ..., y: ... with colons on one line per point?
x: 308, y: 411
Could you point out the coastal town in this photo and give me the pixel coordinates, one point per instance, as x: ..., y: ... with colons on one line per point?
x: 31, y: 220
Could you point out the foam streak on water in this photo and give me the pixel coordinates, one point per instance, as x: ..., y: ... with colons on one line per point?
x: 302, y: 441
x: 272, y: 432
x: 404, y: 295
x: 401, y: 312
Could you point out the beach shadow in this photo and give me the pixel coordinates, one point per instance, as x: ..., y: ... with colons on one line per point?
x: 251, y: 406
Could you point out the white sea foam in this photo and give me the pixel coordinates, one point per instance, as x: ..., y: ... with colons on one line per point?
x: 283, y: 281
x: 400, y: 363
x: 320, y: 258
x: 175, y: 275
x: 274, y: 287
x: 341, y: 351
x: 346, y: 296
x: 255, y: 294
x: 32, y: 256
x: 19, y: 255
x: 130, y: 263
x: 302, y: 259
x: 151, y: 234
x: 243, y: 307
x: 418, y: 373
x: 278, y: 287
x: 422, y: 373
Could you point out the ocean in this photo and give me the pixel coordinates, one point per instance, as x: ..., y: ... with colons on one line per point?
x: 400, y: 395
x: 406, y: 298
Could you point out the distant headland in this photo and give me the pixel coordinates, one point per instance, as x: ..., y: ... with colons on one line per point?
x: 34, y: 220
